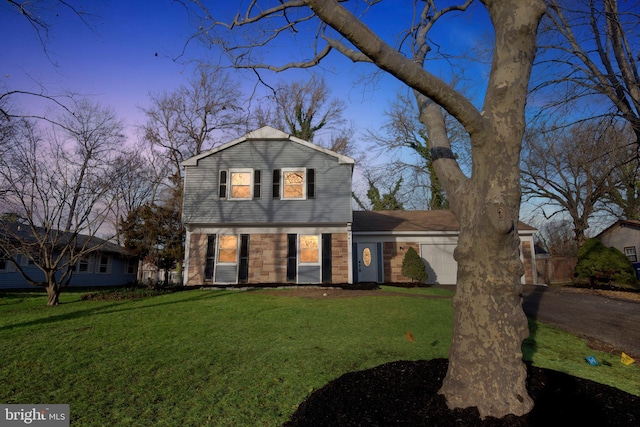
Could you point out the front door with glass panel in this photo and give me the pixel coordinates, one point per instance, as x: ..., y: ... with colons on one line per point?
x: 367, y: 262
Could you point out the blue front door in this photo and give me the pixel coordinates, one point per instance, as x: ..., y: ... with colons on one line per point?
x: 367, y: 262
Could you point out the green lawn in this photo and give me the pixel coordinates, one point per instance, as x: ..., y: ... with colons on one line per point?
x: 229, y: 358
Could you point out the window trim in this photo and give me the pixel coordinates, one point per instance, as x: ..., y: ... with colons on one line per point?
x: 283, y: 184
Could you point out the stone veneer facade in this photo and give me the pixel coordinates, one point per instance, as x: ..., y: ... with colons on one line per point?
x: 268, y: 258
x: 393, y: 255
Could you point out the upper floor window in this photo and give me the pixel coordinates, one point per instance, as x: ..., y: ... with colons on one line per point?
x: 630, y: 252
x: 239, y: 184
x: 294, y: 184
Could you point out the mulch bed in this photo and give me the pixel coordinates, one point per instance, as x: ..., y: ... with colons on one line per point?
x: 406, y: 394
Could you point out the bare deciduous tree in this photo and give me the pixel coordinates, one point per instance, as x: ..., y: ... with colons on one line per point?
x: 132, y: 187
x: 485, y: 360
x: 403, y: 139
x: 571, y: 170
x: 191, y: 119
x: 305, y: 109
x: 56, y: 187
x: 588, y: 57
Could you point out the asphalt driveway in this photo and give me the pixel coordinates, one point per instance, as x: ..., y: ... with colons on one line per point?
x: 613, y: 324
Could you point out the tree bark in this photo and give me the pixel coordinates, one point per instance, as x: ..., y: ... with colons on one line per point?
x: 485, y: 359
x: 53, y: 292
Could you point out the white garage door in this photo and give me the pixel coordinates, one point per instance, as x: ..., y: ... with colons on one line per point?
x: 441, y: 266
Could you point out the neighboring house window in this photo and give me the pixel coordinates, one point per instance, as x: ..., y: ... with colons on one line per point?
x: 210, y: 257
x: 82, y: 266
x: 630, y: 252
x: 228, y: 249
x: 26, y: 260
x: 104, y: 266
x: 4, y: 264
x: 130, y: 266
x: 309, y: 249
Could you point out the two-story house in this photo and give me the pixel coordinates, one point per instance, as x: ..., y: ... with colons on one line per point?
x: 267, y: 208
x: 271, y: 208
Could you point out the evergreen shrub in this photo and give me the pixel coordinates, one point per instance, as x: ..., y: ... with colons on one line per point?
x: 413, y: 267
x: 598, y: 262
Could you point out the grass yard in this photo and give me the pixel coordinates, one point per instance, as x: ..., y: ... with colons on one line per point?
x: 229, y: 358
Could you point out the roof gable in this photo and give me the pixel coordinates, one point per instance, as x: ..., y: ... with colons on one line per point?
x: 267, y: 133
x: 633, y: 224
x: 23, y: 232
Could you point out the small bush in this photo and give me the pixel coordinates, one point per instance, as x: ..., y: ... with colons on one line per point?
x: 413, y: 267
x: 596, y: 262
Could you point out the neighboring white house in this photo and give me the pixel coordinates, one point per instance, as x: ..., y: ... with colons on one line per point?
x: 623, y: 235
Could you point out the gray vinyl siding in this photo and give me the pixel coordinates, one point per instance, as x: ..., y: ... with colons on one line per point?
x: 309, y: 273
x: 332, y: 201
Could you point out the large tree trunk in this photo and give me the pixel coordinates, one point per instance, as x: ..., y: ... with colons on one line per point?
x: 53, y: 289
x: 485, y: 359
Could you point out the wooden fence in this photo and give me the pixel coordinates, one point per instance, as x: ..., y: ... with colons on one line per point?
x: 554, y: 270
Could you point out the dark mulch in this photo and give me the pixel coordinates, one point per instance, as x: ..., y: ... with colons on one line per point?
x: 405, y: 394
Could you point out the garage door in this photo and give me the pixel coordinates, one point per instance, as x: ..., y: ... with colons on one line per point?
x: 441, y: 266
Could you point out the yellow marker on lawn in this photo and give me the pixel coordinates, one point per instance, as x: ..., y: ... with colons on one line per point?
x: 626, y: 359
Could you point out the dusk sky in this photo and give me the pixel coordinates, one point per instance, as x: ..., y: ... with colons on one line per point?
x: 128, y: 48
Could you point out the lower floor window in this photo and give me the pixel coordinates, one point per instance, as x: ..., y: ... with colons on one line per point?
x: 309, y: 249
x: 105, y: 264
x: 228, y: 249
x: 630, y: 252
x: 83, y: 266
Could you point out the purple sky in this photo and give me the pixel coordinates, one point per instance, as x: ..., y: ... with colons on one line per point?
x: 128, y: 48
